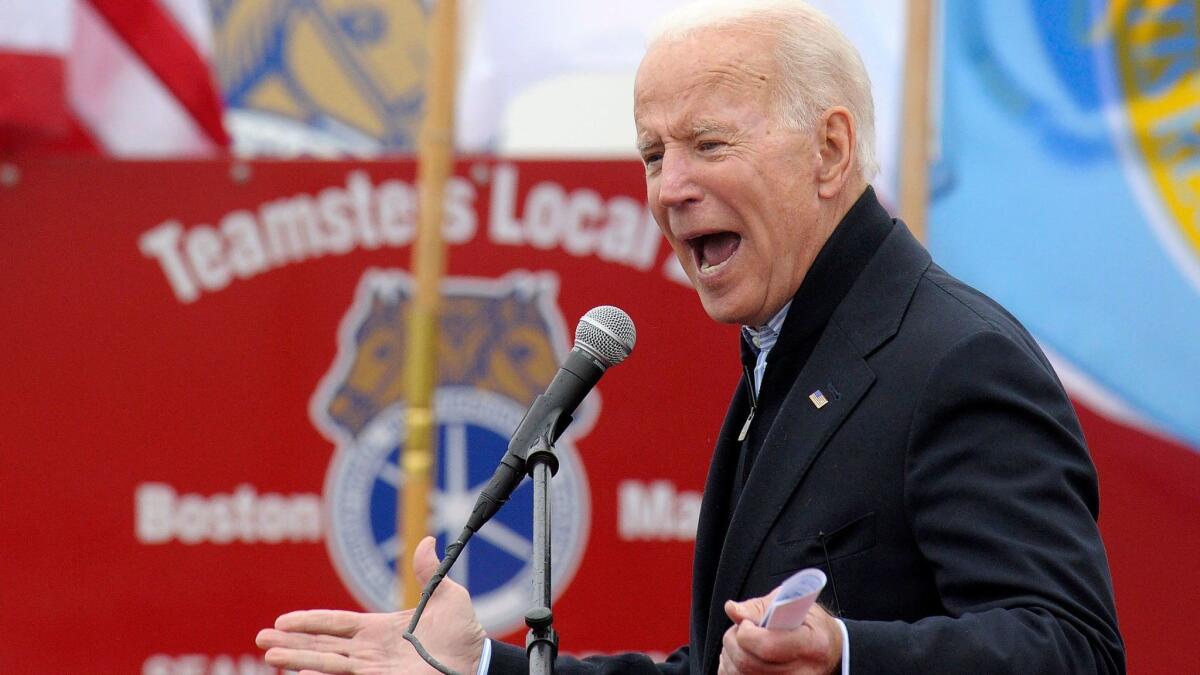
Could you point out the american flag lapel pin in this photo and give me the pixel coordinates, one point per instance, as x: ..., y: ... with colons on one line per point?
x: 818, y: 399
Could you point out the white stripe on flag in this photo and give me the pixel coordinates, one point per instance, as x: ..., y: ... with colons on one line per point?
x: 123, y: 104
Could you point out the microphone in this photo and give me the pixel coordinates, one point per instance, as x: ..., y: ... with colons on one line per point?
x: 604, y: 337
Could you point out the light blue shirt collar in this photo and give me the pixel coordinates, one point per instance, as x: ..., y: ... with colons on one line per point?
x: 762, y: 339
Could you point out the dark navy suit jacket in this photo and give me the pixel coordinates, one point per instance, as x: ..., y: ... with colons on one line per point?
x: 945, y: 489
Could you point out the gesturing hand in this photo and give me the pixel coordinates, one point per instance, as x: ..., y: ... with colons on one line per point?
x: 815, y: 648
x: 333, y: 641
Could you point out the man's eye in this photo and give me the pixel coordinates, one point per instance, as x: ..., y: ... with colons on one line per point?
x: 709, y: 146
x: 651, y: 158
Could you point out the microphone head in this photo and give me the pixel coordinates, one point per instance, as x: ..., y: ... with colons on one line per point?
x: 607, y: 333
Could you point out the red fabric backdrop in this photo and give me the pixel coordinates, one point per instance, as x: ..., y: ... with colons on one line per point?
x: 116, y: 377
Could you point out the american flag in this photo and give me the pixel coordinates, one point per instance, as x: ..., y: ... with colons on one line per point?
x: 127, y: 78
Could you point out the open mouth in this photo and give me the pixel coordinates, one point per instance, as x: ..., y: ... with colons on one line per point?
x: 712, y: 251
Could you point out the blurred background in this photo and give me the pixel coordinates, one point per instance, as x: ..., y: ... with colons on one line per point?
x: 208, y: 218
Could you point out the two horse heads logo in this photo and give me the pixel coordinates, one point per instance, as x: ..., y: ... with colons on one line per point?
x: 352, y: 69
x: 500, y: 342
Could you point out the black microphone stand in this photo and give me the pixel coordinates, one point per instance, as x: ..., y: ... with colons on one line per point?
x: 611, y: 330
x: 541, y: 644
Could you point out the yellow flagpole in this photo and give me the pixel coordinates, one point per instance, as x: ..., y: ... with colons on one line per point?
x: 434, y: 163
x: 914, y: 146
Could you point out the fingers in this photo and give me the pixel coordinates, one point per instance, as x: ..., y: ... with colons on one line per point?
x: 270, y: 637
x: 731, y: 651
x: 735, y: 658
x: 813, y: 647
x: 298, y: 651
x: 425, y: 560
x: 323, y: 621
x: 749, y: 648
x: 304, y: 660
x: 817, y: 640
x: 773, y: 646
x: 724, y: 665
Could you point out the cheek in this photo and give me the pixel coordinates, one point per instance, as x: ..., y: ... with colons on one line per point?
x: 661, y: 219
x: 683, y: 253
x: 652, y: 192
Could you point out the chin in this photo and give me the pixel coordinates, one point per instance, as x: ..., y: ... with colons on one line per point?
x: 722, y: 311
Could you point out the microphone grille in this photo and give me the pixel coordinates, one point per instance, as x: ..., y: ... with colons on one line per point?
x: 607, y: 332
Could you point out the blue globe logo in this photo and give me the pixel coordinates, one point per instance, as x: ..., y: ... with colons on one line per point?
x: 365, y: 484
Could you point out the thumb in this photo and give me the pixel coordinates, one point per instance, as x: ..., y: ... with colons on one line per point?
x: 753, y: 609
x: 425, y: 560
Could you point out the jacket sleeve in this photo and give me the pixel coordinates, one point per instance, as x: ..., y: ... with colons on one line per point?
x: 1002, y: 497
x: 511, y: 660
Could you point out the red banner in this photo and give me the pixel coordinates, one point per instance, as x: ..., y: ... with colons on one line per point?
x: 202, y: 409
x: 203, y: 396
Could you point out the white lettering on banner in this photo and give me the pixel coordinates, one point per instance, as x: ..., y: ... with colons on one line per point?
x: 245, y: 516
x: 656, y: 511
x: 618, y: 230
x: 297, y: 228
x: 162, y: 243
x: 206, y: 258
x: 204, y: 664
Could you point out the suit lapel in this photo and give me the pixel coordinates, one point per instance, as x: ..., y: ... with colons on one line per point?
x: 868, y: 316
x: 715, y: 517
x: 800, y: 431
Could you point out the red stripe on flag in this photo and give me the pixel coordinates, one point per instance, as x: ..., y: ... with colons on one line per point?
x: 33, y: 96
x: 78, y: 140
x: 157, y: 39
x: 35, y: 117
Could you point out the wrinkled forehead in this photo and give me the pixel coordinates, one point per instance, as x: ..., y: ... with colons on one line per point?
x: 734, y: 54
x: 707, y: 66
x: 701, y: 79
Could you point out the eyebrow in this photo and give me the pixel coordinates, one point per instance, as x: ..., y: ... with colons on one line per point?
x: 704, y: 127
x: 699, y: 129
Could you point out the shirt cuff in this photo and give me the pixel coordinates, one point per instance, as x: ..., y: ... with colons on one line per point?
x: 485, y: 658
x: 845, y: 648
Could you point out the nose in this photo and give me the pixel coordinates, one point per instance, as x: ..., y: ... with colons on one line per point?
x: 677, y: 184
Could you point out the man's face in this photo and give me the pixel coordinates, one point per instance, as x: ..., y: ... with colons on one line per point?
x: 733, y: 191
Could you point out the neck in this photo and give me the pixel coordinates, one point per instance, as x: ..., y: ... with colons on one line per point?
x: 840, y: 205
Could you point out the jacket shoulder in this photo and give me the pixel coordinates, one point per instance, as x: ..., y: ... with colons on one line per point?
x: 946, y: 311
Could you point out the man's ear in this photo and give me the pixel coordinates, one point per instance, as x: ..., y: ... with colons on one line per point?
x: 837, y: 139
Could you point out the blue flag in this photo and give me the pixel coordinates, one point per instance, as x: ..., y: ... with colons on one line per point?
x: 1068, y: 187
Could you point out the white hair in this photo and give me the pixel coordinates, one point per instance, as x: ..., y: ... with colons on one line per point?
x: 818, y: 66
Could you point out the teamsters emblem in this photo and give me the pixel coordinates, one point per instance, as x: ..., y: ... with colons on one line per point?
x: 500, y: 344
x: 321, y: 76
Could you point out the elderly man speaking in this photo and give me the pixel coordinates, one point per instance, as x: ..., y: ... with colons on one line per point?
x: 895, y: 428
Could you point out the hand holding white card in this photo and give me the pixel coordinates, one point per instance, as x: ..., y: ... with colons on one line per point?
x: 795, y: 597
